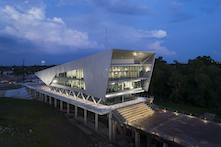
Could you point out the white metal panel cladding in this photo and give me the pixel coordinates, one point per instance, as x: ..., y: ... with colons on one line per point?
x: 95, y: 68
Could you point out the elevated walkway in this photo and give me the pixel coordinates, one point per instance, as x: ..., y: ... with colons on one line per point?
x: 134, y: 112
x: 82, y: 103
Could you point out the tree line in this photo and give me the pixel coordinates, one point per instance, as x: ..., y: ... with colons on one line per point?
x: 20, y: 70
x: 197, y: 82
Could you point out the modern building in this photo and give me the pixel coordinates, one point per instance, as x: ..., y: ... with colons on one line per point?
x: 110, y: 77
x: 107, y: 85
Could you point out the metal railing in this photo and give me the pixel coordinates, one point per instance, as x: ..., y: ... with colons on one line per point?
x: 217, y: 120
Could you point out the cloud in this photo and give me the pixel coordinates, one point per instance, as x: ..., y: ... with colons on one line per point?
x: 73, y: 2
x: 13, y: 45
x: 214, y: 52
x: 125, y: 33
x: 153, y: 33
x: 178, y: 15
x: 37, y: 12
x: 123, y: 7
x: 162, y: 50
x: 32, y: 25
x: 176, y: 7
x: 128, y: 7
x: 212, y: 9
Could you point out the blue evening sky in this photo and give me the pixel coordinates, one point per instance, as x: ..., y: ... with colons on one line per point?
x: 59, y: 31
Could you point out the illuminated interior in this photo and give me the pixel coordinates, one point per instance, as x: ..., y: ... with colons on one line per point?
x: 73, y: 78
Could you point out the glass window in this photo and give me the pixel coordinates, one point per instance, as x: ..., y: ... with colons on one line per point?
x: 125, y: 72
x: 74, y: 78
x: 123, y: 86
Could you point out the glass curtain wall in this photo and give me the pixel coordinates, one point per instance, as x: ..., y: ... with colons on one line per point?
x: 119, y: 99
x: 74, y: 78
x: 125, y: 72
x: 115, y: 87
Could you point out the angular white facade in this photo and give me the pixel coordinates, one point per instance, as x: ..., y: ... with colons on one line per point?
x: 106, y: 75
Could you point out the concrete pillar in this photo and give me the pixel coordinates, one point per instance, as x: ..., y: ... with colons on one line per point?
x: 68, y: 108
x: 35, y: 94
x: 137, y: 139
x: 49, y: 100
x: 46, y: 98
x: 110, y: 126
x: 114, y: 132
x: 55, y: 102
x: 165, y: 145
x: 132, y: 132
x: 125, y: 130
x: 61, y: 105
x: 148, y: 140
x: 76, y: 111
x: 96, y: 122
x: 85, y: 116
x: 120, y: 129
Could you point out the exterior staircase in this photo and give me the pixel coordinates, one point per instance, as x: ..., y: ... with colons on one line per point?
x: 135, y: 112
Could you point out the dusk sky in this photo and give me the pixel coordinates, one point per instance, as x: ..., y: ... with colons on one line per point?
x: 59, y: 31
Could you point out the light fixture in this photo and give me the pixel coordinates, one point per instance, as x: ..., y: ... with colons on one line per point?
x: 148, y: 69
x: 55, y: 81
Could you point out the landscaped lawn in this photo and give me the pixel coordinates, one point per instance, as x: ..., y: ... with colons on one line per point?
x: 29, y: 123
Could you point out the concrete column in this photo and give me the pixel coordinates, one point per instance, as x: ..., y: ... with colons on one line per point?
x: 132, y: 132
x: 148, y: 140
x: 76, y: 111
x: 61, y: 105
x: 114, y: 132
x: 49, y: 100
x: 137, y: 139
x: 68, y: 108
x: 165, y: 145
x: 110, y: 126
x: 96, y: 122
x: 35, y: 94
x: 46, y: 98
x: 85, y: 116
x: 55, y: 102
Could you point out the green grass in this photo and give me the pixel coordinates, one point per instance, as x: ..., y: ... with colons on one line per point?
x: 9, y: 87
x: 184, y: 107
x: 32, y: 124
